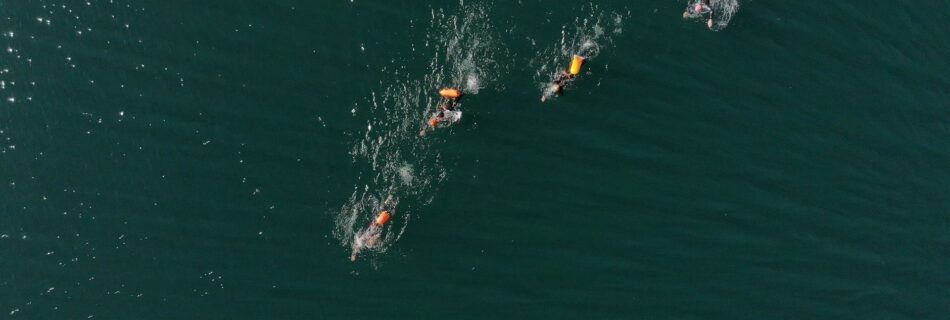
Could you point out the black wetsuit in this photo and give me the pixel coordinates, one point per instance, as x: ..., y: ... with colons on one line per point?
x: 447, y: 106
x: 561, y: 79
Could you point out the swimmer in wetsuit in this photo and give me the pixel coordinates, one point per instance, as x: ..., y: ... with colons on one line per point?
x: 369, y: 238
x: 562, y: 79
x: 446, y: 112
x: 448, y: 106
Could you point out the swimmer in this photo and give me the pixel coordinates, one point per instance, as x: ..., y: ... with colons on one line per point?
x: 562, y: 79
x: 369, y: 238
x: 557, y: 86
x: 698, y: 9
x: 448, y: 106
x: 446, y: 112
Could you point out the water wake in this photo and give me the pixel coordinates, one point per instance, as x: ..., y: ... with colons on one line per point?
x: 402, y: 171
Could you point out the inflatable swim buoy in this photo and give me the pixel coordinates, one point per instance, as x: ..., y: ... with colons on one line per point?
x: 576, y: 65
x: 450, y: 93
x: 382, y: 218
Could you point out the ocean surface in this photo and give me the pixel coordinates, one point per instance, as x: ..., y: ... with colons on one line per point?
x: 218, y: 159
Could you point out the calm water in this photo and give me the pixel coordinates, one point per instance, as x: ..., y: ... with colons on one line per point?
x: 214, y: 159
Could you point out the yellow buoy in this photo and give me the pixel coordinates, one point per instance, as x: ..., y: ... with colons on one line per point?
x: 576, y: 65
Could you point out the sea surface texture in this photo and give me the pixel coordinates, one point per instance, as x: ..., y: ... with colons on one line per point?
x: 222, y: 160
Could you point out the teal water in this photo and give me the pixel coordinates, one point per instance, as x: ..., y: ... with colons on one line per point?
x: 214, y: 160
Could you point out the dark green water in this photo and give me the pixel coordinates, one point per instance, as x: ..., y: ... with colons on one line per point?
x: 212, y: 160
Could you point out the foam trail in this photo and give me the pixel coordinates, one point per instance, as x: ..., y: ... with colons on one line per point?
x: 399, y: 165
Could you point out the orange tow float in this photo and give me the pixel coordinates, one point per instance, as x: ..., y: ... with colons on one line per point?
x: 450, y: 93
x: 382, y: 218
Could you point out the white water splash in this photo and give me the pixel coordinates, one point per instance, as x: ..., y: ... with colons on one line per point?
x: 395, y: 162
